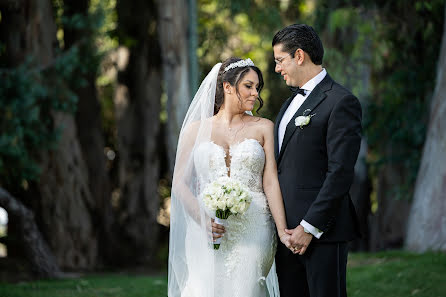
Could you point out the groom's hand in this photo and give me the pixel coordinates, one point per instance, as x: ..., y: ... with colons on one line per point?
x: 217, y: 230
x: 299, y: 239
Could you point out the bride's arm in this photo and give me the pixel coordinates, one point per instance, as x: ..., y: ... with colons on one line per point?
x: 184, y: 173
x: 271, y: 181
x: 183, y: 176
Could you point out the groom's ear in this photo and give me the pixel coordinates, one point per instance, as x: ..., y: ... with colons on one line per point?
x: 299, y: 56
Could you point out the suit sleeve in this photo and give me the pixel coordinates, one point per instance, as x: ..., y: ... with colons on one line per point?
x: 343, y: 142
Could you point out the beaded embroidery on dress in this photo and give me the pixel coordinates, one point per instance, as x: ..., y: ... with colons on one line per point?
x: 246, y: 253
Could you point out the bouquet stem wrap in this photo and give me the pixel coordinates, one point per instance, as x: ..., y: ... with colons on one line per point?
x: 220, y: 221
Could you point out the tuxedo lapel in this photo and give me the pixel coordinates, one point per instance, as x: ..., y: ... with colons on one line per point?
x: 313, y: 100
x: 277, y: 123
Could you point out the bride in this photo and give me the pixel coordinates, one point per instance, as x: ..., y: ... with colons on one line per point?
x: 220, y: 137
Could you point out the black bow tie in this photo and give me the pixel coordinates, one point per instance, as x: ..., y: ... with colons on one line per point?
x: 297, y: 90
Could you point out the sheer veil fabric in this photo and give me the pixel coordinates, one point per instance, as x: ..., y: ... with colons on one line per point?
x: 191, y: 267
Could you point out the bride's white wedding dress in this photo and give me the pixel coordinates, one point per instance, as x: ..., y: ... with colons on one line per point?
x: 247, y: 250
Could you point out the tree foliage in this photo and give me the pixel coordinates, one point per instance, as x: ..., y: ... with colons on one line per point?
x: 27, y: 99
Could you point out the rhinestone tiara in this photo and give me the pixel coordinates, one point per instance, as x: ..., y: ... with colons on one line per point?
x: 241, y: 63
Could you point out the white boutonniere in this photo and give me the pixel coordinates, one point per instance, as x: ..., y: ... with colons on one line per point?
x: 303, y: 120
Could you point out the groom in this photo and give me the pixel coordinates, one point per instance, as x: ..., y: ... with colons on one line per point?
x: 317, y: 140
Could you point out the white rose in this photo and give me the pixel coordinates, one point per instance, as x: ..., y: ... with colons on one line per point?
x: 302, y: 120
x: 231, y: 201
x: 219, y: 193
x: 214, y: 204
x: 221, y: 204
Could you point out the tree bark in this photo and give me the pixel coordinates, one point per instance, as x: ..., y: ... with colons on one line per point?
x: 138, y: 106
x: 174, y: 44
x: 27, y: 28
x: 89, y: 126
x: 38, y: 253
x: 66, y: 201
x: 427, y: 220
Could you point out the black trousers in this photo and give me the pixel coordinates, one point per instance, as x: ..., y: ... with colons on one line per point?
x: 320, y: 272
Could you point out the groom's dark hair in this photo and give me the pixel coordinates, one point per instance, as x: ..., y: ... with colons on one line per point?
x: 300, y: 36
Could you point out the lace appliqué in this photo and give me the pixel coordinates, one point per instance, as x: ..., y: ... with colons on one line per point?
x: 247, y: 163
x: 237, y: 226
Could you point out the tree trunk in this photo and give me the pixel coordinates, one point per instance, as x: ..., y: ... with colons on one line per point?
x: 61, y: 199
x: 138, y: 107
x: 27, y: 29
x: 66, y: 201
x: 174, y: 44
x: 427, y: 220
x: 89, y: 126
x: 388, y: 224
x: 36, y: 249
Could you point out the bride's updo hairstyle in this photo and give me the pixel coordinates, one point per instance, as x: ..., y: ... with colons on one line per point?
x: 234, y: 76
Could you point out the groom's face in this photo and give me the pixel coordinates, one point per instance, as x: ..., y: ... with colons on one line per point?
x: 286, y: 66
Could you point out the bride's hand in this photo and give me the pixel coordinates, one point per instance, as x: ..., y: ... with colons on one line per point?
x: 217, y: 230
x: 285, y: 239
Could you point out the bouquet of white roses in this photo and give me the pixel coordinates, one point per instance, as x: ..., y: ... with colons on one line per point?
x: 226, y: 196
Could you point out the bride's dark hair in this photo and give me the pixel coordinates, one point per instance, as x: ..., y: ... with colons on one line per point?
x: 234, y: 76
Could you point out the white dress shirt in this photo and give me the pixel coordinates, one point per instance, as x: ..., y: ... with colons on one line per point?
x: 288, y: 115
x: 297, y: 102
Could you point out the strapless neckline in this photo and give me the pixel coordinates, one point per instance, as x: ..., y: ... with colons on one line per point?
x: 237, y: 143
x: 231, y: 147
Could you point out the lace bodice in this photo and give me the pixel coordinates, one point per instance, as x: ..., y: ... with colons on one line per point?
x: 247, y: 160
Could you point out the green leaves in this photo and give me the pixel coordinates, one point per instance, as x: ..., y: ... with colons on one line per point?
x: 28, y: 96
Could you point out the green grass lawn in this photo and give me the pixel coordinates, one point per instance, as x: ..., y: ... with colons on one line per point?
x: 393, y: 274
x: 92, y: 286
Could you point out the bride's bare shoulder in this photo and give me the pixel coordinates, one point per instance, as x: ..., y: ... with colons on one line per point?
x: 264, y: 122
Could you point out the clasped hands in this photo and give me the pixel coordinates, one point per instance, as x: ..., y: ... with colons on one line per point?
x: 297, y: 240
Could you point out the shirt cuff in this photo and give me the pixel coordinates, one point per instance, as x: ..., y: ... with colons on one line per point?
x: 310, y: 228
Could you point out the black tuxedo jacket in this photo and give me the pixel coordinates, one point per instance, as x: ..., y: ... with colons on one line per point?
x: 316, y: 163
